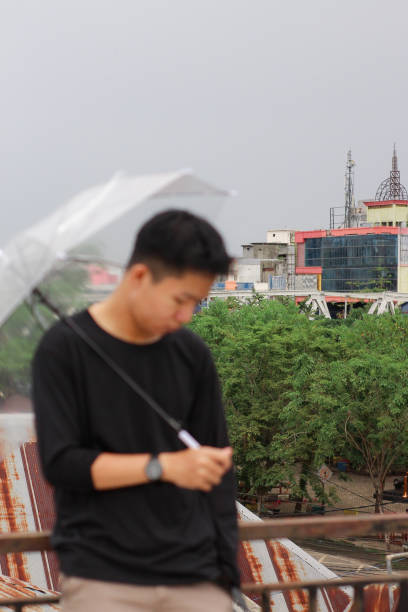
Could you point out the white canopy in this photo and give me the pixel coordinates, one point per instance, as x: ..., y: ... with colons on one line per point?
x: 29, y: 257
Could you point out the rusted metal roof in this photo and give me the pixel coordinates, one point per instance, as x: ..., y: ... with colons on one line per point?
x: 283, y: 561
x: 11, y: 588
x: 25, y: 500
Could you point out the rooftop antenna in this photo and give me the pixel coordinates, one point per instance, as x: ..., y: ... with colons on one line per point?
x: 349, y: 190
x: 391, y: 188
x: 395, y: 178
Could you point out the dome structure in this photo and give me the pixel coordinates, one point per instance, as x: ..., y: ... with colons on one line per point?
x: 391, y: 188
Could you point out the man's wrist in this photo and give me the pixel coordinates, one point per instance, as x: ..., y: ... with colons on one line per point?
x: 165, y: 462
x: 153, y: 469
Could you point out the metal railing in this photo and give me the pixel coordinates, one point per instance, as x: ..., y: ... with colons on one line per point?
x: 25, y: 542
x: 328, y: 527
x: 308, y: 527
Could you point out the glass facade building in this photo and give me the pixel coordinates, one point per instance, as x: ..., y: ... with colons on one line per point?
x: 355, y: 262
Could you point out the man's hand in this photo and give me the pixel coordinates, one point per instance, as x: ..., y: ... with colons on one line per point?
x: 199, y: 468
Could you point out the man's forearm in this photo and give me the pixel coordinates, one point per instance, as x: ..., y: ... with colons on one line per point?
x: 192, y: 469
x: 116, y: 470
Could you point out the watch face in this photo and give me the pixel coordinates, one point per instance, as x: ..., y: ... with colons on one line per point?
x: 154, y: 469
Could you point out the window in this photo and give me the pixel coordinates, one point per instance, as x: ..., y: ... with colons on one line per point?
x: 355, y: 263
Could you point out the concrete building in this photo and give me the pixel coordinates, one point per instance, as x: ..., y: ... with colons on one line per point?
x: 359, y: 259
x: 387, y: 213
x: 280, y: 236
x: 269, y: 264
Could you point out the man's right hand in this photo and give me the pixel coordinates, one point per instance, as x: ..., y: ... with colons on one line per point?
x: 199, y: 468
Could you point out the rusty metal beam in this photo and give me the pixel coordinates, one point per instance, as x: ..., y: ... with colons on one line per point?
x: 24, y: 542
x: 332, y: 527
x: 313, y: 599
x: 252, y: 530
x: 357, y: 581
x: 29, y: 601
x: 358, y: 602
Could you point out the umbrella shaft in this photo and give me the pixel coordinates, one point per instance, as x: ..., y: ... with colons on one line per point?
x: 182, y: 434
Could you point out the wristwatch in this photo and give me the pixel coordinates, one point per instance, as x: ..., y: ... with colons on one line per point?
x: 153, y: 469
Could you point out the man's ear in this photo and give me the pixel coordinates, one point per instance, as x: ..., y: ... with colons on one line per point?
x: 138, y: 274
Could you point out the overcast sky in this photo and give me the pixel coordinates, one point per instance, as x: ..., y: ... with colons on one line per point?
x: 261, y: 96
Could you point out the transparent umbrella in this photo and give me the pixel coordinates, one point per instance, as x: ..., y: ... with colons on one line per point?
x: 52, y: 258
x: 45, y: 272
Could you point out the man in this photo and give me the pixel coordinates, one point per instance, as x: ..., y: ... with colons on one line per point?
x: 142, y: 522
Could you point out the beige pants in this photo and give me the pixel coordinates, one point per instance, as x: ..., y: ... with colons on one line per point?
x: 84, y: 595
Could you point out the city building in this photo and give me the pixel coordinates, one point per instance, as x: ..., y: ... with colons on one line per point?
x: 264, y: 265
x: 354, y: 259
x: 372, y: 256
x: 366, y: 251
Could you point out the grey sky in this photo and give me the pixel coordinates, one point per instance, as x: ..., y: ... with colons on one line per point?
x: 261, y: 96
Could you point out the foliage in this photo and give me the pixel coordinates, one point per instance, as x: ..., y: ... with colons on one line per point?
x: 21, y: 333
x: 299, y: 391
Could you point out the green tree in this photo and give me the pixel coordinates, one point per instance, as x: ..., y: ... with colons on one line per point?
x: 256, y: 347
x: 299, y: 391
x: 354, y: 402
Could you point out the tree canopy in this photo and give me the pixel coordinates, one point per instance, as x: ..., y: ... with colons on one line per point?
x: 299, y: 391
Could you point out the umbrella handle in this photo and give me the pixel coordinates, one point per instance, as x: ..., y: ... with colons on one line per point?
x: 188, y: 439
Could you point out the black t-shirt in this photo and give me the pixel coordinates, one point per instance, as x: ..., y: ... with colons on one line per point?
x: 154, y: 533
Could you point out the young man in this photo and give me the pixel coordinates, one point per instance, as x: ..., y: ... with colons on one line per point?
x: 142, y: 522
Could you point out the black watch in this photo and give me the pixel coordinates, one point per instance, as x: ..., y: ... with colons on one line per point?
x: 153, y: 469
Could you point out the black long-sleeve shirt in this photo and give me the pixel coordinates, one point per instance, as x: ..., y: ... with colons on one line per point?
x: 154, y: 533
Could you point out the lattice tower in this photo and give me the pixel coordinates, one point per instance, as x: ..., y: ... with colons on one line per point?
x: 391, y: 188
x: 349, y: 191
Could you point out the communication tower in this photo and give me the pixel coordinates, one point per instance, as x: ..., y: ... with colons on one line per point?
x: 347, y: 215
x: 349, y: 205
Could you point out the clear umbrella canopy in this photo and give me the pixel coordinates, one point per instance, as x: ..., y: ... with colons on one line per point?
x: 69, y: 256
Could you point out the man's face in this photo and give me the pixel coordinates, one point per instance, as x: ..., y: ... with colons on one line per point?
x: 161, y: 307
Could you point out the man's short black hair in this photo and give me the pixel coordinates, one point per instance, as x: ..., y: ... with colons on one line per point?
x: 175, y: 241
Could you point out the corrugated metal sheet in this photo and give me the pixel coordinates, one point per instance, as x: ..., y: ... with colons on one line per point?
x: 14, y: 588
x: 25, y: 500
x: 283, y: 561
x: 42, y: 504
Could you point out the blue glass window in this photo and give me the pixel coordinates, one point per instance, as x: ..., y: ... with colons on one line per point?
x: 355, y: 263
